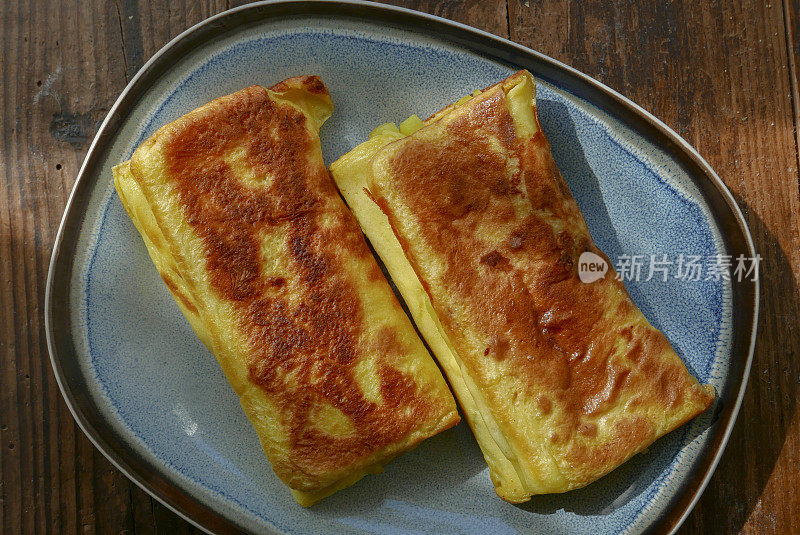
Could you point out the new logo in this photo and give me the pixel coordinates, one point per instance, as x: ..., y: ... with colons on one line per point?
x: 591, y: 267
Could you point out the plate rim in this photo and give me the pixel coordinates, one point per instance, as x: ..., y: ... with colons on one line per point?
x: 488, y: 45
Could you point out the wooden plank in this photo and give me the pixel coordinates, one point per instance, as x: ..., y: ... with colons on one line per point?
x: 55, y: 87
x: 791, y: 17
x: 63, y: 65
x: 716, y: 72
x: 488, y: 15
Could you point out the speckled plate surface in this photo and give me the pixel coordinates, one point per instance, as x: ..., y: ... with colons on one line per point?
x: 153, y: 399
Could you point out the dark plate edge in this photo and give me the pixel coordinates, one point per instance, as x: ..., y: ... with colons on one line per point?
x: 736, y: 232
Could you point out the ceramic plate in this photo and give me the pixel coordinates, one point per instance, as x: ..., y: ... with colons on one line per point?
x: 154, y: 400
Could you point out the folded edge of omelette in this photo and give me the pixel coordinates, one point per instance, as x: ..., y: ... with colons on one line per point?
x: 247, y: 230
x: 560, y: 381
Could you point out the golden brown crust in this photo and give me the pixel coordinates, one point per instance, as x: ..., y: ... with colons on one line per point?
x: 279, y: 248
x: 494, y: 235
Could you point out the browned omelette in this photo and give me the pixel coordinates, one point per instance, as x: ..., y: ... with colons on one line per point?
x: 249, y: 233
x: 560, y: 380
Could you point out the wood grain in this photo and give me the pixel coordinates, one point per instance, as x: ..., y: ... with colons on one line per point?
x: 55, y: 87
x: 722, y: 74
x: 63, y: 65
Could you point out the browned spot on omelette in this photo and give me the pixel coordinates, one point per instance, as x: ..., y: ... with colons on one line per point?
x: 176, y: 291
x: 302, y: 354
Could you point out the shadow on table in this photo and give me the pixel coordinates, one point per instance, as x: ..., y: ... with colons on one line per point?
x: 769, y: 402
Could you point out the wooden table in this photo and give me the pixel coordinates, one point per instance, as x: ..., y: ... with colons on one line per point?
x: 723, y: 74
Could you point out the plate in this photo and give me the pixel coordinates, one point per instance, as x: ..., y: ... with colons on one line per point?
x: 153, y: 399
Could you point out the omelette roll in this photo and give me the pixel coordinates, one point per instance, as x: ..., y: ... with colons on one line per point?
x: 248, y: 232
x: 561, y: 381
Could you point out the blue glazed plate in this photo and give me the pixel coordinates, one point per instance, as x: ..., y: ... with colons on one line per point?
x: 153, y: 399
